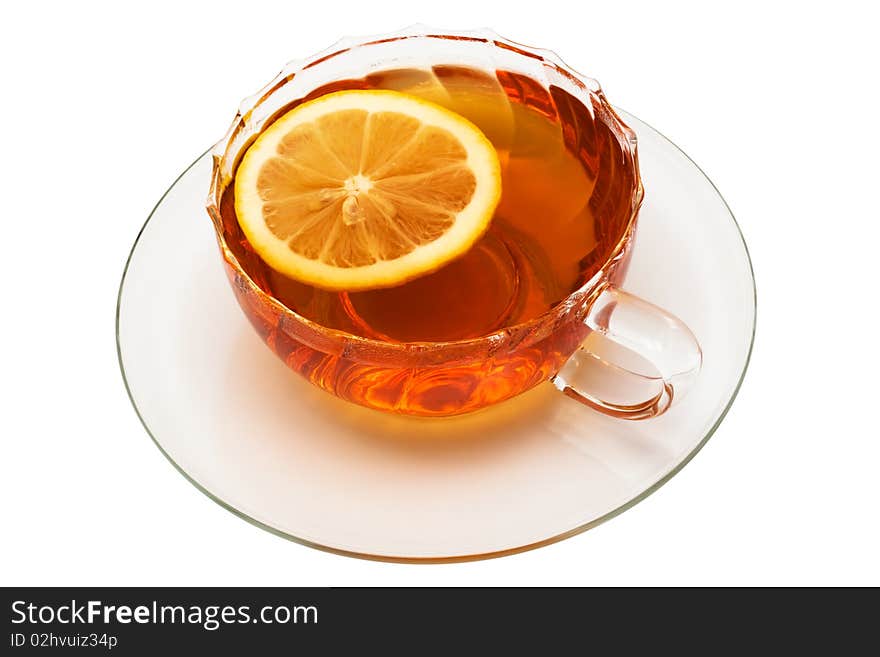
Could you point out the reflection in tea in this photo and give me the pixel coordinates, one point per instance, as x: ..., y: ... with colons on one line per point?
x: 553, y: 228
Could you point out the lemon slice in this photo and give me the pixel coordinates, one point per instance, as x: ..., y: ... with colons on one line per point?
x: 360, y: 190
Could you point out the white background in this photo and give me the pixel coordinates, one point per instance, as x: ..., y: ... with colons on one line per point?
x: 103, y: 106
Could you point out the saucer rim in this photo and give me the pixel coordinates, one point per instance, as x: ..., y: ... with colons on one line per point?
x: 458, y: 558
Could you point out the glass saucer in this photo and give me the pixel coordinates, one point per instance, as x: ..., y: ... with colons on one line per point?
x: 292, y: 459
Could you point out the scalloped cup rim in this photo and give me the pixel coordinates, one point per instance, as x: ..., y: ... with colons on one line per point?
x: 348, y: 341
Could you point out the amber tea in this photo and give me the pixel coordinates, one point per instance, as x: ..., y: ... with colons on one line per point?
x: 429, y: 223
x: 552, y: 230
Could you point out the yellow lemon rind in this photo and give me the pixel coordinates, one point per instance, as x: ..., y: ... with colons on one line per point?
x: 470, y: 224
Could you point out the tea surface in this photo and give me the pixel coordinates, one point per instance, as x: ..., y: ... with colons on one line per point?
x: 552, y: 229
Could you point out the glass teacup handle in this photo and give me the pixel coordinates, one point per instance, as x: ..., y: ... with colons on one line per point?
x: 659, y: 360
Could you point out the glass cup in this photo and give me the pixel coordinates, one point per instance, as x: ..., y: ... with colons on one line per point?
x: 600, y: 345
